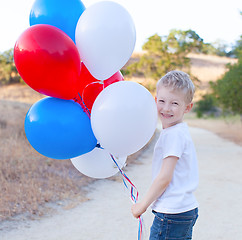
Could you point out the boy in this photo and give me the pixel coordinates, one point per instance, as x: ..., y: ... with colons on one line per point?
x: 174, y: 166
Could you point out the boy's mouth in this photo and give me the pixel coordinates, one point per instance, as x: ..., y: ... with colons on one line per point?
x: 166, y: 115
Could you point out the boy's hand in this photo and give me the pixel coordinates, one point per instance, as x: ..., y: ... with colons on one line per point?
x: 137, y: 210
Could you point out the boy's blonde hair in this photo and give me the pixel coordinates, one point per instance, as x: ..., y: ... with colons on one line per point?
x: 178, y: 80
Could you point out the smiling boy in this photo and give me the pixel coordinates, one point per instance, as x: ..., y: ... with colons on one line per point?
x: 174, y: 166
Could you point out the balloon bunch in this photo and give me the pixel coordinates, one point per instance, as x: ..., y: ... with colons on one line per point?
x: 73, y: 55
x: 91, y: 115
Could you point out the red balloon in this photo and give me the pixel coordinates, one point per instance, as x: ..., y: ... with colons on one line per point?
x: 90, y: 87
x: 48, y: 61
x: 115, y: 78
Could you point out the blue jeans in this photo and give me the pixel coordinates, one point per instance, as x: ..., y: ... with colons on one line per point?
x: 173, y: 226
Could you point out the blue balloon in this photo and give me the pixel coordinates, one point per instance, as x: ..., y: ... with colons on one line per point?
x: 59, y: 129
x: 63, y: 14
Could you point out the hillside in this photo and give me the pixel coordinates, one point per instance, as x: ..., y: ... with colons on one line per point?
x: 208, y: 68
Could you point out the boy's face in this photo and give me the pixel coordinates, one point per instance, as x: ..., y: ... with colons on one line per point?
x: 171, y: 106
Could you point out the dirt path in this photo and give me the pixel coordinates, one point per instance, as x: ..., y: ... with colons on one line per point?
x: 107, y: 214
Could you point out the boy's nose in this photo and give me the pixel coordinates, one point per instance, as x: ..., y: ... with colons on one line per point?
x: 166, y: 108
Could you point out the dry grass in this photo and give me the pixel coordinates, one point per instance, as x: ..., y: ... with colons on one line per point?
x: 30, y: 180
x: 229, y: 127
x: 208, y: 68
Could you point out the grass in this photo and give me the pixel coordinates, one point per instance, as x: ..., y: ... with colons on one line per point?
x: 227, y: 126
x: 28, y: 179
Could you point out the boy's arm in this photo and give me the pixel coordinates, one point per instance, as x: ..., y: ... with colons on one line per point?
x: 158, y: 186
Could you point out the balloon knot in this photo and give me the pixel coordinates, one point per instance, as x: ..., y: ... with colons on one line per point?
x: 99, y: 146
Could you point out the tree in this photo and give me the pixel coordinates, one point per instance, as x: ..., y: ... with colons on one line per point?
x: 163, y: 54
x: 219, y: 48
x: 228, y: 89
x: 8, y: 71
x: 237, y: 49
x: 184, y: 42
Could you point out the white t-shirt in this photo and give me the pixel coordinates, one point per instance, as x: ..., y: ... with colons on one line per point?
x: 178, y: 196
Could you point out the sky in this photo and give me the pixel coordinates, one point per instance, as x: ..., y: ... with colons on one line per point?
x: 212, y: 20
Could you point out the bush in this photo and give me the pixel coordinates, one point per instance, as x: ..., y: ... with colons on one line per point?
x: 207, y: 105
x: 8, y: 71
x: 228, y: 89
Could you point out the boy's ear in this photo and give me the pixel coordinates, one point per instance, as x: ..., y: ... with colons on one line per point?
x: 155, y: 99
x: 189, y: 107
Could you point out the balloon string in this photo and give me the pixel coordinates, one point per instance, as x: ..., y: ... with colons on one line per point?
x: 134, y: 194
x: 133, y: 191
x: 89, y: 84
x: 82, y: 103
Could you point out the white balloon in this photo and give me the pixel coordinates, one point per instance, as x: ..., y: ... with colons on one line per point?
x: 124, y: 117
x: 98, y: 163
x: 105, y: 37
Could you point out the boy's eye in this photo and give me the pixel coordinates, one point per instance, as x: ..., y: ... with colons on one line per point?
x: 161, y: 100
x: 175, y: 103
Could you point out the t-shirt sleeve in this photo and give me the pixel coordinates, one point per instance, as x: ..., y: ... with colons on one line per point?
x: 173, y: 144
